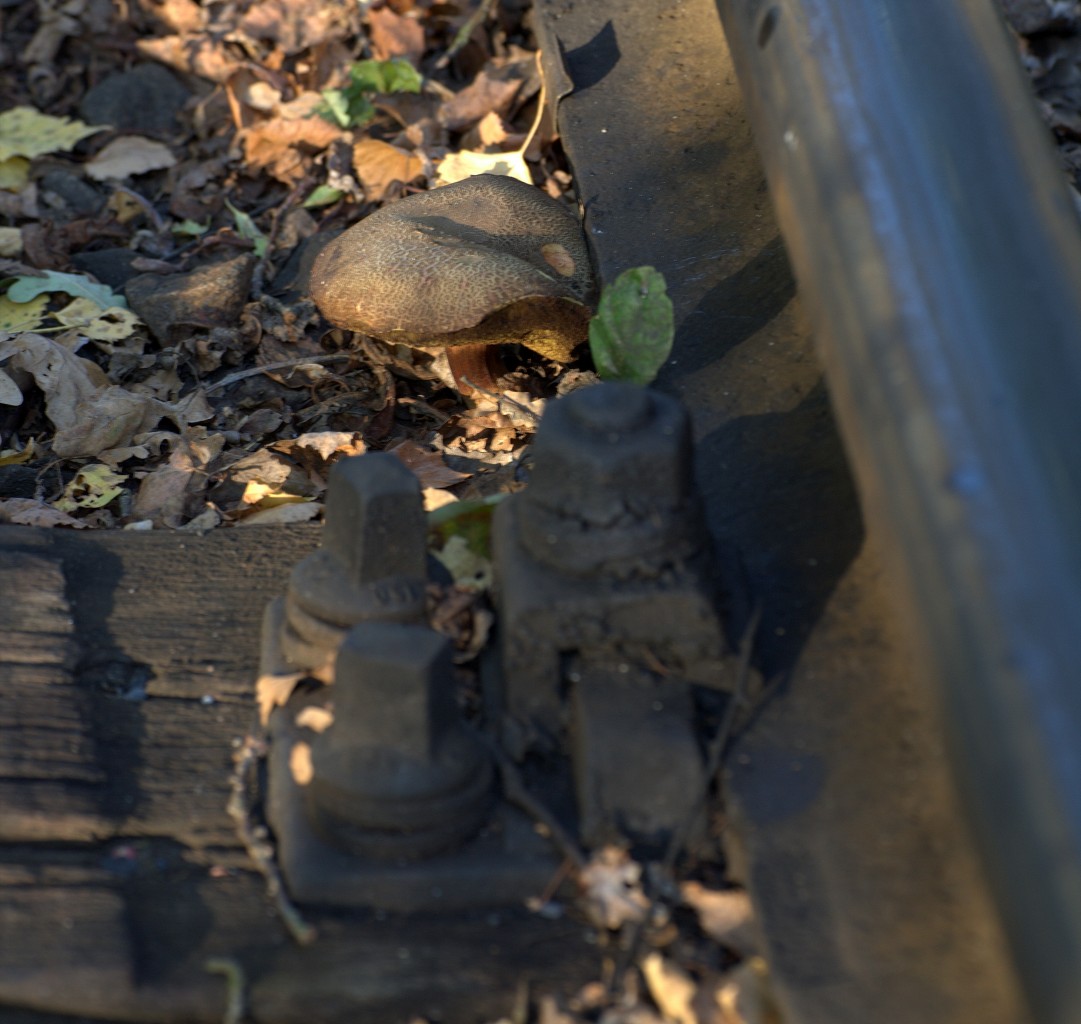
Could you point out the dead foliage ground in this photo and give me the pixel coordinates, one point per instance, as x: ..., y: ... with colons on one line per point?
x: 213, y: 161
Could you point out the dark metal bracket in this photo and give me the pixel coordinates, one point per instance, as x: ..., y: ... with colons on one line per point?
x: 608, y: 607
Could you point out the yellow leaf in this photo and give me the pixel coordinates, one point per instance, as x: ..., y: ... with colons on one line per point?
x: 10, y: 457
x: 14, y: 173
x: 263, y: 495
x: 465, y: 163
x: 279, y: 515
x: 124, y: 206
x: 11, y: 243
x: 470, y: 570
x: 16, y: 317
x: 94, y: 486
x: 27, y: 132
x: 112, y: 324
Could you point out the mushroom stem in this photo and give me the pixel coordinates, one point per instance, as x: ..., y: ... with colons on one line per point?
x: 476, y: 366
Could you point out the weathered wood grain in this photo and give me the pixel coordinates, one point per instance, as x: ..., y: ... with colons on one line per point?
x: 120, y: 871
x: 49, y: 776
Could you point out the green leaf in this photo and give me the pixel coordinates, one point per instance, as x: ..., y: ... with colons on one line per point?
x: 459, y: 535
x: 322, y: 195
x: 26, y: 288
x: 347, y: 108
x: 401, y: 76
x: 190, y: 227
x: 245, y: 227
x: 470, y: 520
x: 350, y: 107
x: 631, y: 335
x: 385, y: 76
x: 335, y: 107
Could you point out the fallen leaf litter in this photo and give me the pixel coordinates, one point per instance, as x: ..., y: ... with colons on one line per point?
x: 194, y: 215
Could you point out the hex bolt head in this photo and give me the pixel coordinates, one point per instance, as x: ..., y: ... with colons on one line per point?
x: 373, y: 562
x: 375, y: 523
x: 394, y: 688
x: 613, y: 477
x: 397, y: 774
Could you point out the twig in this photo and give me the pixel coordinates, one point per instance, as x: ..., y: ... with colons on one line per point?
x: 235, y: 987
x: 254, y: 838
x: 515, y: 791
x: 286, y: 364
x: 719, y: 744
x: 541, y: 100
x: 461, y: 37
x: 500, y: 398
x: 717, y: 748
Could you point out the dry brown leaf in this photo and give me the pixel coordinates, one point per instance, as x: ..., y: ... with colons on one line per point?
x: 169, y: 493
x: 262, y: 92
x: 127, y: 156
x: 745, y: 996
x: 300, y: 763
x: 492, y: 131
x: 198, y: 54
x: 143, y: 446
x: 380, y: 166
x: 637, y: 1014
x: 612, y: 888
x: 208, y: 519
x: 393, y: 35
x: 484, y: 95
x: 549, y: 1012
x: 435, y: 497
x: 180, y: 15
x: 276, y: 145
x: 163, y: 496
x: 265, y: 467
x: 726, y: 916
x: 428, y: 466
x: 672, y: 989
x: 295, y: 25
x: 10, y: 394
x: 90, y: 414
x: 31, y: 512
x: 329, y: 442
x: 316, y: 718
x: 272, y: 691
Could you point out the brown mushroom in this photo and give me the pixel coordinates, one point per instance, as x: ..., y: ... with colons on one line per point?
x: 484, y: 261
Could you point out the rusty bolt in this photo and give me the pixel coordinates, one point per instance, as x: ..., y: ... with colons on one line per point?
x: 397, y: 775
x: 372, y: 564
x: 613, y: 481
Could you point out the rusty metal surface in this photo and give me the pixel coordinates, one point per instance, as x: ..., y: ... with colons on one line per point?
x: 846, y: 824
x: 608, y: 606
x: 933, y: 232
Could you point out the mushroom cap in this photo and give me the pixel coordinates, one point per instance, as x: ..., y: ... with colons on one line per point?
x: 431, y: 267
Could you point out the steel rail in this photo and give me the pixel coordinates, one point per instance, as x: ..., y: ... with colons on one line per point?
x: 938, y: 254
